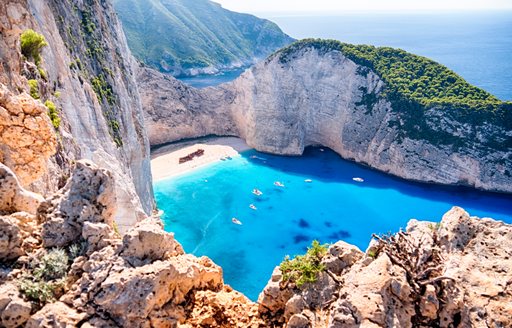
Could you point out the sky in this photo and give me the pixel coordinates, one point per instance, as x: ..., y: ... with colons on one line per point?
x: 329, y: 6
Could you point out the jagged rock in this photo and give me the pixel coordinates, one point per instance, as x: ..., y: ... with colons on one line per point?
x: 274, y: 296
x: 341, y: 256
x: 56, y: 314
x: 298, y: 321
x: 10, y: 239
x: 148, y: 242
x: 13, y: 197
x: 98, y: 235
x: 429, y: 304
x: 226, y: 308
x: 87, y: 197
x: 466, y: 284
x: 27, y: 138
x: 14, y: 311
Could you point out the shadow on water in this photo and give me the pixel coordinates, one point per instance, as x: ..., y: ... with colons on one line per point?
x: 333, y: 168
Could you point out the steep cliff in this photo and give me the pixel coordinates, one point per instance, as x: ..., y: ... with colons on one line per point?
x: 183, y: 37
x: 314, y: 93
x: 85, y: 78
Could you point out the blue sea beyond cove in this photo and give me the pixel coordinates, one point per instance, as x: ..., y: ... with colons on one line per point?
x: 199, y: 207
x: 476, y: 45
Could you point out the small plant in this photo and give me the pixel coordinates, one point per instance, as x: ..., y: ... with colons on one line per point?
x: 42, y: 73
x: 31, y: 45
x: 372, y: 253
x: 53, y: 113
x: 53, y: 265
x: 304, y: 268
x: 76, y: 250
x: 47, y: 276
x: 116, y: 228
x: 37, y: 291
x: 57, y: 94
x: 34, y: 89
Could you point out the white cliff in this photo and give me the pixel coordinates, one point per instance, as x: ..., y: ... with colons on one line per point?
x: 324, y: 98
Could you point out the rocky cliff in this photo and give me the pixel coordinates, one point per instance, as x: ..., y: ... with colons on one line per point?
x: 85, y: 77
x: 63, y: 264
x: 307, y: 95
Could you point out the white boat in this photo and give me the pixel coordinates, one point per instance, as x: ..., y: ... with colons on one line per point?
x: 321, y: 149
x: 357, y: 179
x: 236, y: 221
x: 253, y: 207
x: 160, y: 213
x: 257, y: 192
x: 278, y: 184
x: 308, y: 180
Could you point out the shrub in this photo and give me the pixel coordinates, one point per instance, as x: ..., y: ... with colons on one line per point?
x: 42, y: 72
x: 31, y: 45
x: 304, y: 268
x: 53, y: 265
x: 39, y: 291
x: 46, y: 278
x: 53, y: 113
x: 34, y: 88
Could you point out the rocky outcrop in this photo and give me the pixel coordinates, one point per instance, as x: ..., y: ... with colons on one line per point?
x: 446, y: 275
x: 139, y: 280
x: 27, y: 139
x: 87, y: 72
x: 323, y: 98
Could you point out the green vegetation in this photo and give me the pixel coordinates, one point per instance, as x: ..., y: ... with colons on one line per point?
x: 53, y: 113
x: 34, y: 89
x: 304, y: 268
x: 47, y: 276
x: 197, y: 34
x: 103, y: 89
x: 419, y: 89
x: 42, y: 73
x: 407, y: 76
x: 31, y: 45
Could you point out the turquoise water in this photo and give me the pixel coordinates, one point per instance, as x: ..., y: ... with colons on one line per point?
x: 199, y: 206
x: 208, y: 80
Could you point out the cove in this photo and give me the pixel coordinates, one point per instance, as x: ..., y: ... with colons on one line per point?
x: 198, y: 207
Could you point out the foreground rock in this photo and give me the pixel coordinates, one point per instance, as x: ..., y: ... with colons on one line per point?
x: 454, y: 274
x: 140, y: 280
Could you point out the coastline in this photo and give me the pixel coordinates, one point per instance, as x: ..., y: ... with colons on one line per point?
x: 165, y: 159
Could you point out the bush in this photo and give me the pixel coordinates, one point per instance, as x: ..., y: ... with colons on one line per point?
x: 34, y: 88
x: 46, y: 278
x: 39, y: 291
x: 53, y: 265
x: 31, y: 45
x: 53, y: 113
x: 304, y: 268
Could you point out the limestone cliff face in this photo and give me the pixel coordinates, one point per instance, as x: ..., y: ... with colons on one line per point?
x: 87, y: 71
x: 323, y: 99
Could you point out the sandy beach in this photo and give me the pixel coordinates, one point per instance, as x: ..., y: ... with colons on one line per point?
x: 165, y: 160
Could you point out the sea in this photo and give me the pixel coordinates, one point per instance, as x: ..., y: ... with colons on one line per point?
x: 199, y: 206
x: 319, y: 200
x: 476, y: 45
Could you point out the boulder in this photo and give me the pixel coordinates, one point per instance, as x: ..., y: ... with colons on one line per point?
x: 13, y: 197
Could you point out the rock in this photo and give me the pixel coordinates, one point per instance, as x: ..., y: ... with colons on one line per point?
x: 13, y: 197
x: 149, y: 242
x: 87, y: 197
x: 341, y: 255
x: 429, y: 304
x: 274, y: 296
x: 27, y: 137
x: 298, y: 321
x: 56, y: 314
x: 10, y: 239
x: 13, y: 309
x: 98, y: 235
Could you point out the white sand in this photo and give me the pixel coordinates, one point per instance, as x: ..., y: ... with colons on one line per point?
x: 165, y: 160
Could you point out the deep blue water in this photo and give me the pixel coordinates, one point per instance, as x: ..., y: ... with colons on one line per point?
x: 206, y: 80
x: 476, y: 45
x: 198, y: 207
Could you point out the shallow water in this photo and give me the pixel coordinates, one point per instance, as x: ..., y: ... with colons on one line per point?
x: 198, y: 207
x: 208, y: 80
